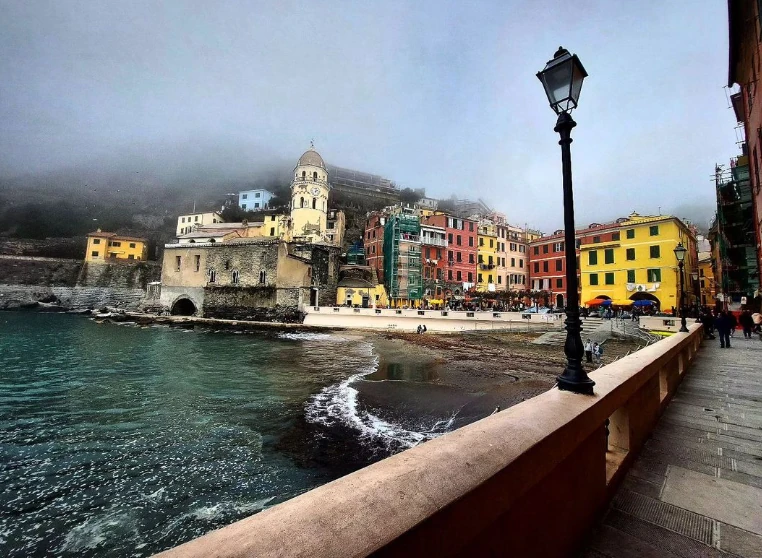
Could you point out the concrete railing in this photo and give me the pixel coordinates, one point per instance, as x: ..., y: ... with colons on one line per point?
x: 528, y: 481
x: 661, y: 323
x: 435, y: 320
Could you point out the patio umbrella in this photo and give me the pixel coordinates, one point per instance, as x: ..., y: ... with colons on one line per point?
x: 643, y: 303
x: 606, y: 303
x: 622, y: 303
x: 595, y: 302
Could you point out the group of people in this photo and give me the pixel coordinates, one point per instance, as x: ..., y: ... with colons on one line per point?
x: 593, y: 352
x: 725, y: 323
x: 422, y: 329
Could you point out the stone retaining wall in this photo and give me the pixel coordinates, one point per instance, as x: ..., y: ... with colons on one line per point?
x: 75, y: 298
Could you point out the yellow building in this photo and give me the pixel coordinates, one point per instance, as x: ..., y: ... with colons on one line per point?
x: 359, y: 286
x: 105, y: 246
x: 706, y: 280
x: 636, y: 260
x: 486, y: 259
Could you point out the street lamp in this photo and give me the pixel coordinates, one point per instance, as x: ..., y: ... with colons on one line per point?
x: 680, y: 251
x: 696, y: 288
x: 562, y: 80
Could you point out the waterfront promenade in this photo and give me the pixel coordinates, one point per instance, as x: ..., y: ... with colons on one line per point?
x: 696, y: 488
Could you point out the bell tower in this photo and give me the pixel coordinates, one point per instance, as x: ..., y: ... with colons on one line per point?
x: 309, y: 197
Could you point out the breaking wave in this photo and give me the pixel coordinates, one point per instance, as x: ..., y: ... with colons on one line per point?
x: 339, y: 404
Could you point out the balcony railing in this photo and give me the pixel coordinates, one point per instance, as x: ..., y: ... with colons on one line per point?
x: 428, y: 241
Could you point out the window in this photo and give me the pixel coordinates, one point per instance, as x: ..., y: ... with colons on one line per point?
x: 489, y: 260
x: 537, y: 267
x: 558, y: 247
x: 513, y: 262
x: 593, y: 278
x: 243, y: 206
x: 481, y: 241
x: 544, y: 248
x: 489, y: 278
x: 272, y: 218
x: 630, y: 233
x: 182, y: 219
x: 596, y: 239
x: 545, y: 266
x: 449, y: 274
x: 608, y: 255
x: 654, y: 230
x: 499, y: 279
x: 479, y: 278
x: 630, y: 275
x: 592, y: 258
x: 245, y: 196
x: 256, y: 205
x: 559, y: 283
x: 491, y: 245
x: 578, y: 243
x: 559, y: 264
x: 130, y: 256
x: 449, y: 238
x: 471, y: 227
x: 459, y: 276
x: 702, y: 284
x: 257, y: 195
x: 470, y: 258
x: 654, y: 275
x: 262, y: 277
x: 521, y: 263
x: 94, y: 253
x: 272, y: 231
x: 458, y: 257
x: 96, y: 241
x: 655, y: 252
x: 471, y: 241
x: 609, y: 277
x: 212, y: 276
x: 195, y: 218
x: 615, y: 236
x: 235, y: 276
x: 197, y: 260
x: 132, y: 245
x: 178, y: 261
x: 458, y: 240
x: 115, y: 244
x: 439, y: 274
x: 227, y: 265
x: 450, y: 256
x: 630, y: 254
x: 536, y: 250
x: 314, y: 203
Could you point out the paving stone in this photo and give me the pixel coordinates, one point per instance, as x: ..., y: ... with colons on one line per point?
x: 618, y: 544
x: 740, y: 542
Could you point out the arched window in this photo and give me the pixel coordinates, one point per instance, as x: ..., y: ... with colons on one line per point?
x: 314, y: 202
x: 304, y: 174
x: 314, y: 176
x: 262, y: 277
x: 301, y: 202
x: 236, y: 277
x: 212, y: 276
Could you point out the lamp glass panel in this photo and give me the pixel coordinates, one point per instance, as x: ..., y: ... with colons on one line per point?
x: 579, y: 76
x: 680, y: 252
x: 558, y: 83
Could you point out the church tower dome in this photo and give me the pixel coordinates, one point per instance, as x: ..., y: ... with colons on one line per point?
x: 309, y: 197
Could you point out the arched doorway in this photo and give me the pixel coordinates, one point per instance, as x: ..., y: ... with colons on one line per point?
x: 559, y: 301
x: 183, y: 307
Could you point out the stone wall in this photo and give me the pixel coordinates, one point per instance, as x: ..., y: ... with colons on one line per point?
x: 25, y: 270
x: 13, y: 297
x: 125, y: 274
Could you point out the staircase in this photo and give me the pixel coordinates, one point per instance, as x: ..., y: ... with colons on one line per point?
x: 595, y: 329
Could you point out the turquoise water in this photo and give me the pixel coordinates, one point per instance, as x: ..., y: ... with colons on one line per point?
x: 117, y: 440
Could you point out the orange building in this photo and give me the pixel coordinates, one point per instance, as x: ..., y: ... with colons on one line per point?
x: 105, y: 246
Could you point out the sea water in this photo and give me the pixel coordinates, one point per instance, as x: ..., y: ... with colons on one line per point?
x: 119, y: 440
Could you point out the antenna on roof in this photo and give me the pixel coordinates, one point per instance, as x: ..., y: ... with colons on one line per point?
x: 312, y: 143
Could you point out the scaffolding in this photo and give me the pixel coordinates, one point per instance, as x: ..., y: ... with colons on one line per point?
x: 402, y: 258
x: 734, y: 225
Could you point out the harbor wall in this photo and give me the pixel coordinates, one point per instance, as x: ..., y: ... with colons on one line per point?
x: 439, y: 321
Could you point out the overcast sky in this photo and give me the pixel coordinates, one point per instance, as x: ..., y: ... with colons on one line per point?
x: 435, y: 95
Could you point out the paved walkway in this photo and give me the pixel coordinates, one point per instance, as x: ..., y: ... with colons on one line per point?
x: 696, y: 488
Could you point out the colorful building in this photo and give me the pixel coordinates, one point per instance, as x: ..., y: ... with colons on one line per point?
x: 359, y: 286
x: 433, y: 251
x: 254, y: 200
x: 547, y: 267
x: 707, y: 288
x: 745, y: 53
x: 487, y: 257
x: 512, y: 252
x: 462, y: 239
x: 374, y: 241
x: 105, y: 246
x: 402, y: 259
x: 186, y: 223
x: 634, y: 259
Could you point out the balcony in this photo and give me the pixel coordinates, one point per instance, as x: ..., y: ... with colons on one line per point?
x: 428, y: 241
x: 486, y: 267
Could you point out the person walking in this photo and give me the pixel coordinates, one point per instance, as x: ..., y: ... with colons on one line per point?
x: 732, y: 322
x: 747, y: 323
x: 596, y: 353
x: 722, y: 325
x: 589, y: 351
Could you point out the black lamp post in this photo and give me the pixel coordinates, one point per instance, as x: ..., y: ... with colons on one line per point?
x: 680, y: 251
x: 562, y: 79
